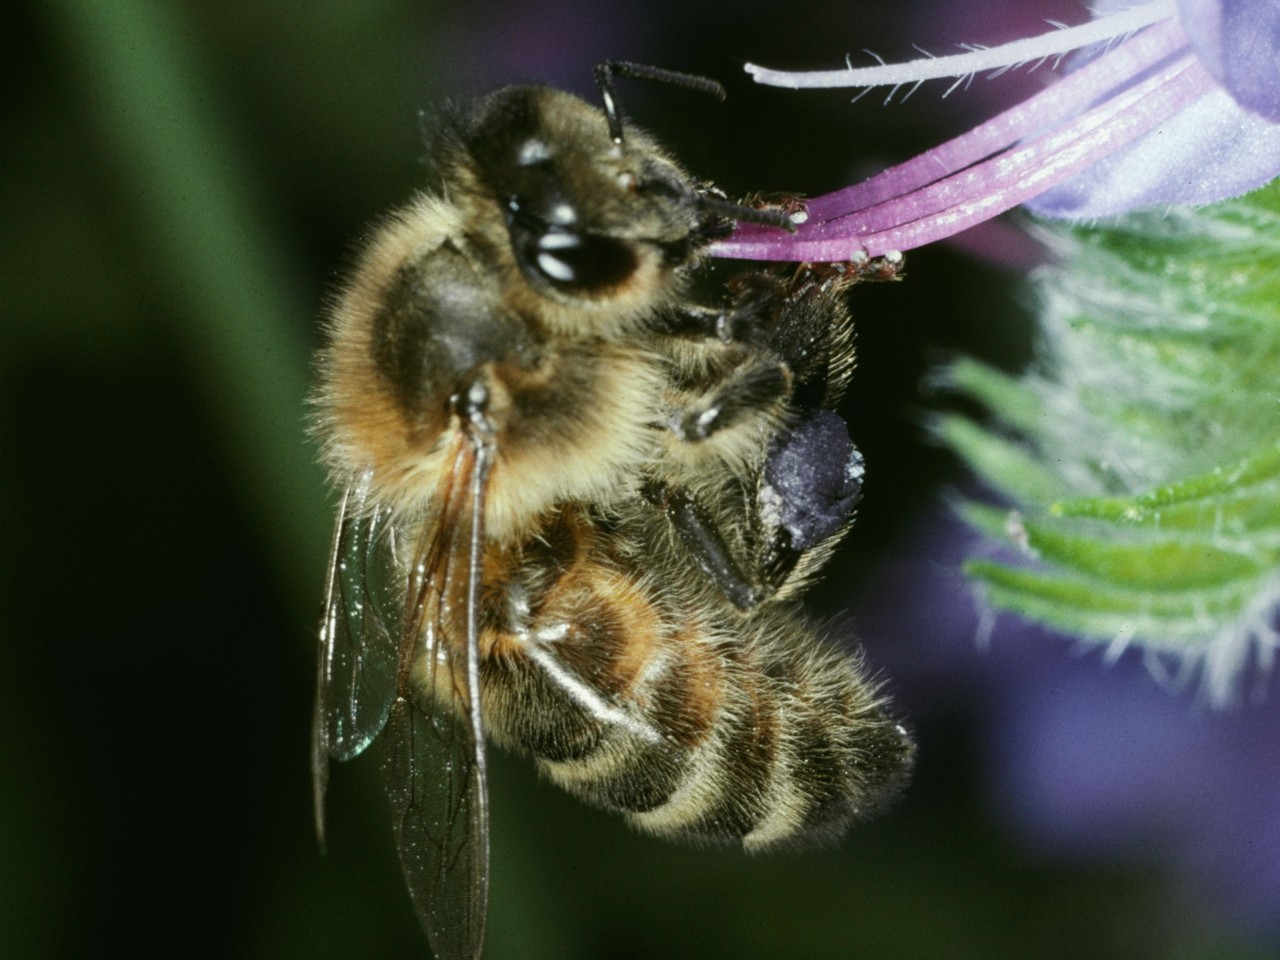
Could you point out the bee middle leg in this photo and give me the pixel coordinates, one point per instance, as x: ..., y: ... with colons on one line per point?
x: 755, y: 386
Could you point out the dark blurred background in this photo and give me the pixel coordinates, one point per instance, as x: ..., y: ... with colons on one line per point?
x: 180, y: 183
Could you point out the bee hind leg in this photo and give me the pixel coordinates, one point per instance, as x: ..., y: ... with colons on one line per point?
x: 785, y: 529
x: 698, y: 532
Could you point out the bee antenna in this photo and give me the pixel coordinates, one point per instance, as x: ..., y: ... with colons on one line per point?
x: 768, y: 216
x: 607, y: 70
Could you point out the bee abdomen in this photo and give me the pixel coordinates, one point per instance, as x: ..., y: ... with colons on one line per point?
x: 653, y: 732
x: 705, y: 736
x: 800, y: 751
x: 696, y: 721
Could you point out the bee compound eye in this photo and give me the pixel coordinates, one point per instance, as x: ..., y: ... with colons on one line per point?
x: 584, y: 261
x: 570, y: 261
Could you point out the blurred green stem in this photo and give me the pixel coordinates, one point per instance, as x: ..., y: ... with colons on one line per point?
x: 233, y: 299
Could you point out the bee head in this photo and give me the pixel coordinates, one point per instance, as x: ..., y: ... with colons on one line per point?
x: 585, y: 217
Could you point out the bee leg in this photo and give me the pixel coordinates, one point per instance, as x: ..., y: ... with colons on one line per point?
x: 808, y: 488
x: 748, y: 390
x: 808, y: 491
x: 699, y: 534
x: 750, y: 319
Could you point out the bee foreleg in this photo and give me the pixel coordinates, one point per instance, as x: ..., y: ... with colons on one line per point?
x: 750, y: 319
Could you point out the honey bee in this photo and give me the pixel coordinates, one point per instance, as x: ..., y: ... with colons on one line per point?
x: 580, y: 505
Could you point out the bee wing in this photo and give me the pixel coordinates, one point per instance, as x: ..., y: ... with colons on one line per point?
x: 435, y: 778
x: 359, y: 638
x: 434, y: 761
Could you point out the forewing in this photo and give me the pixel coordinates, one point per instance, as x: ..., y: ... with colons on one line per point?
x: 434, y: 775
x: 434, y: 760
x: 359, y: 638
x: 361, y: 629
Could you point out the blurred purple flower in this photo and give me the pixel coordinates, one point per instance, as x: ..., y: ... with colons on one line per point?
x: 1102, y: 766
x: 1181, y: 106
x: 1085, y: 765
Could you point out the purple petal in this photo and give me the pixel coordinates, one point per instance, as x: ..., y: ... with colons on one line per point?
x: 1113, y: 144
x: 1239, y: 42
x: 1224, y: 145
x: 1210, y: 151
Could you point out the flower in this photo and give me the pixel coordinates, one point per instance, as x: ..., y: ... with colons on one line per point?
x: 1181, y: 106
x: 1081, y: 765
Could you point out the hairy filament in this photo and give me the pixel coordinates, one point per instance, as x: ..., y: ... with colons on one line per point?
x: 1042, y: 47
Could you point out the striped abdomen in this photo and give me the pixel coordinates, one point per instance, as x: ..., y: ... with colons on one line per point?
x: 639, y: 692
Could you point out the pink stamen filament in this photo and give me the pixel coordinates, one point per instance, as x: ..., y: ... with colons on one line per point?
x: 1074, y: 92
x: 943, y: 192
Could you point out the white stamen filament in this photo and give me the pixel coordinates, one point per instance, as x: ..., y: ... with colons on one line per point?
x: 1052, y: 44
